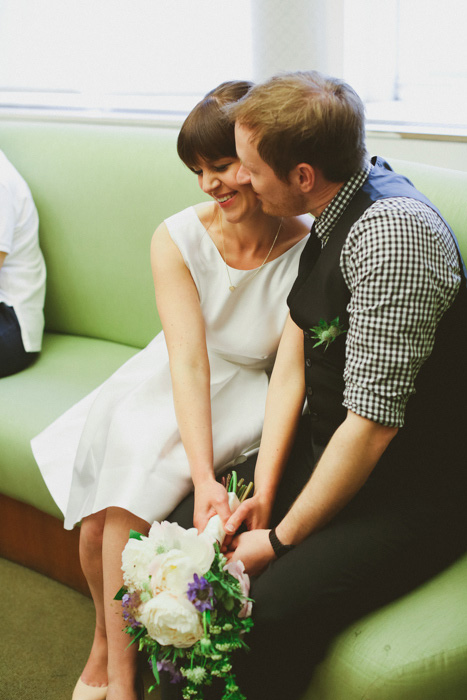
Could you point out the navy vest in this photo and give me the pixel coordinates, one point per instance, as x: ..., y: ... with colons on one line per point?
x: 432, y: 445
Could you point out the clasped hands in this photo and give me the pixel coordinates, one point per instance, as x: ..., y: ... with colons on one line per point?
x: 252, y: 546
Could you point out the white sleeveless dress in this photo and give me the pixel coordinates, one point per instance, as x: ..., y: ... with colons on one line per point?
x: 120, y: 445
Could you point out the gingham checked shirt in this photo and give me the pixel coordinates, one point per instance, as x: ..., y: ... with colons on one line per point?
x: 400, y: 264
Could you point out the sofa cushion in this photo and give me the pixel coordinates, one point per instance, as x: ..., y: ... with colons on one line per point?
x: 68, y: 369
x: 412, y: 649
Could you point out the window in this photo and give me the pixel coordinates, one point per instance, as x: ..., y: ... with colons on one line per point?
x: 407, y: 59
x: 137, y: 58
x: 126, y: 55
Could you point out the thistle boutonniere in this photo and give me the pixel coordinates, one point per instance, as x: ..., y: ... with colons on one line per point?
x: 326, y: 332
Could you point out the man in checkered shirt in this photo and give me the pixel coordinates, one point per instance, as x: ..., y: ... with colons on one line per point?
x: 370, y: 482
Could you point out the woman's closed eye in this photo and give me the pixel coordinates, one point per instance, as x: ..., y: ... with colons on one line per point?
x: 217, y: 168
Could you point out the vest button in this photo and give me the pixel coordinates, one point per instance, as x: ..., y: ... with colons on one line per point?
x: 309, y: 390
x: 306, y: 334
x: 308, y: 362
x: 314, y: 417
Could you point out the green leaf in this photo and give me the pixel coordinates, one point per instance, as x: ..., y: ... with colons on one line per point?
x: 137, y: 636
x: 154, y: 668
x: 228, y: 603
x: 121, y: 593
x: 135, y: 535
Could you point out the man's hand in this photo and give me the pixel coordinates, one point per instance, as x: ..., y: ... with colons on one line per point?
x: 254, y: 549
x: 210, y: 498
x: 254, y: 512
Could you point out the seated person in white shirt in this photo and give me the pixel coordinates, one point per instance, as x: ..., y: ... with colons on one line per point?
x: 22, y: 273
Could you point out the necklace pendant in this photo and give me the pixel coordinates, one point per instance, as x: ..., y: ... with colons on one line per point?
x: 232, y: 288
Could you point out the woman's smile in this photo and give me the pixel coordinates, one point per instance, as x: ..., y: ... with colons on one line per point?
x: 225, y: 199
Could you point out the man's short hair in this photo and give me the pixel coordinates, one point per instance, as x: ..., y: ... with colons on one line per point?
x: 305, y: 117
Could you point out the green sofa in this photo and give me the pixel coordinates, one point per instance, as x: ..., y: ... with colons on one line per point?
x: 100, y: 191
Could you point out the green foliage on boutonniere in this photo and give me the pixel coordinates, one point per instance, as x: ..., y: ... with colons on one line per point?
x: 326, y: 332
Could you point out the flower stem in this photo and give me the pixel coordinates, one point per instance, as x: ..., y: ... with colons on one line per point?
x: 233, y: 483
x: 246, y: 492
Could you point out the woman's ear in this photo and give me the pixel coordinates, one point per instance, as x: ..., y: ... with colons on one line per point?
x: 303, y: 176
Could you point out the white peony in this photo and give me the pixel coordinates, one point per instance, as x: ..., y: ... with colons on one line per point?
x: 136, y: 560
x: 166, y: 536
x: 171, y: 620
x: 172, y: 572
x: 199, y: 548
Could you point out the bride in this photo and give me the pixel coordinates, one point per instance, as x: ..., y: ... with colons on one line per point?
x: 192, y: 402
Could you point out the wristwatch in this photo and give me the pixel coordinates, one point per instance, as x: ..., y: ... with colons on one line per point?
x: 279, y: 548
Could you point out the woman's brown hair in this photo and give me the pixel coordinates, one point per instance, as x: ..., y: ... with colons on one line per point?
x: 208, y: 133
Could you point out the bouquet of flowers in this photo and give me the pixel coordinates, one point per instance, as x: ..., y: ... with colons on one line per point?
x: 184, y: 604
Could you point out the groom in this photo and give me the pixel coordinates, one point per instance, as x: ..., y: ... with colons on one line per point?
x: 372, y: 498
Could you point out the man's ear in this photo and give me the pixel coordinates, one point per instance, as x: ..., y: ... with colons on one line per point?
x: 303, y: 176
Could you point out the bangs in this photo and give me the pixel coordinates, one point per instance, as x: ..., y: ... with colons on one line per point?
x: 206, y: 134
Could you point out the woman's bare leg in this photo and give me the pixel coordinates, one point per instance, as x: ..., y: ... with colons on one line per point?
x: 121, y: 665
x: 90, y: 551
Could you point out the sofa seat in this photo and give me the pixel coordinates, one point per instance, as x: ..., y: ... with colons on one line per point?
x: 413, y: 649
x: 68, y: 368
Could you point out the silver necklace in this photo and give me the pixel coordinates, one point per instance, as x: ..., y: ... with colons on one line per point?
x: 232, y: 286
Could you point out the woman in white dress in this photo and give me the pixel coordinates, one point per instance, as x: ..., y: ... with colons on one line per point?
x: 192, y: 402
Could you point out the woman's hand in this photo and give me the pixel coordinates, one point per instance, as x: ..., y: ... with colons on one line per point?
x: 210, y: 498
x: 253, y: 549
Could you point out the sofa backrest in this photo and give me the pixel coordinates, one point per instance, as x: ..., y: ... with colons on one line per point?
x: 100, y: 192
x: 447, y: 189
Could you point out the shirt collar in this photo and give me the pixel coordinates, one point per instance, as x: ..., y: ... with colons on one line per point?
x: 326, y: 221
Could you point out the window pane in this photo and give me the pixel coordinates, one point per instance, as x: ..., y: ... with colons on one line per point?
x: 407, y: 58
x: 432, y: 47
x: 142, y: 47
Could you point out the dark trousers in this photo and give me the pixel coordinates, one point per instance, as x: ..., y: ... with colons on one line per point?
x: 381, y: 545
x: 13, y: 356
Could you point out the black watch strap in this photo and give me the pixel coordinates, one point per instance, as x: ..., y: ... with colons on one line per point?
x: 279, y: 548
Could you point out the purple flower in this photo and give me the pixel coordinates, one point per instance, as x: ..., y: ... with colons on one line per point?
x: 201, y: 594
x: 130, y: 604
x: 175, y: 675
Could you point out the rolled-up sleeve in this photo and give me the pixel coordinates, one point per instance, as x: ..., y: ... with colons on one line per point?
x: 401, y: 266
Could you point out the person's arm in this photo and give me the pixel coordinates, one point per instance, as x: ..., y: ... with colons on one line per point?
x: 7, y: 222
x: 284, y: 405
x: 350, y: 457
x: 184, y: 330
